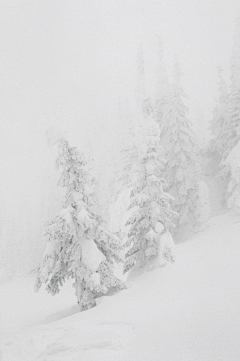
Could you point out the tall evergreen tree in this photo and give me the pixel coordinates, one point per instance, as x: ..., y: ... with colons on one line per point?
x: 77, y: 245
x: 150, y: 206
x: 182, y: 171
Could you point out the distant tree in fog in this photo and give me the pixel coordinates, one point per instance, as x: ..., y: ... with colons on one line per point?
x: 182, y: 169
x: 230, y: 165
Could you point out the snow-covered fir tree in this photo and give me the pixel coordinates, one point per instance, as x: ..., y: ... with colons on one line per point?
x: 182, y: 170
x: 77, y: 245
x: 150, y: 206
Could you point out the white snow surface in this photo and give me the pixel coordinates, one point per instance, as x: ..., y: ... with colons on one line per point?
x: 187, y: 311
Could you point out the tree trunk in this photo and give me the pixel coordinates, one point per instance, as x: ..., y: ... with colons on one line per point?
x: 85, y: 297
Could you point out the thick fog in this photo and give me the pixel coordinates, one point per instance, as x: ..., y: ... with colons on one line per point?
x: 72, y: 66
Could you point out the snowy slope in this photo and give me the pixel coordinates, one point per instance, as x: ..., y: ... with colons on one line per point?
x: 189, y: 311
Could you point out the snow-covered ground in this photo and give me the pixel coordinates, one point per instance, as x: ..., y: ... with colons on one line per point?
x: 189, y: 311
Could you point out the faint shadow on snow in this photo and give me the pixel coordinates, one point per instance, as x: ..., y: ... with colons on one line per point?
x: 61, y: 314
x: 68, y: 341
x: 56, y: 316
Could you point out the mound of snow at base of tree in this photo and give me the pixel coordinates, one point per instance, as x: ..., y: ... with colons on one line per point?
x: 183, y: 312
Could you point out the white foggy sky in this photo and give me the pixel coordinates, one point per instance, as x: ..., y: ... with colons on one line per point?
x: 67, y: 64
x: 68, y: 60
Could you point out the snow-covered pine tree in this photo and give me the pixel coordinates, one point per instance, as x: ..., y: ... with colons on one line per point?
x: 150, y: 206
x: 77, y: 245
x: 182, y: 170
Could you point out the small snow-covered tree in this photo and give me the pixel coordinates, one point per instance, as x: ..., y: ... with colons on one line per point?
x: 182, y: 170
x: 150, y: 207
x: 77, y: 245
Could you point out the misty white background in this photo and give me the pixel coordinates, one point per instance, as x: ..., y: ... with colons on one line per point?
x: 72, y: 65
